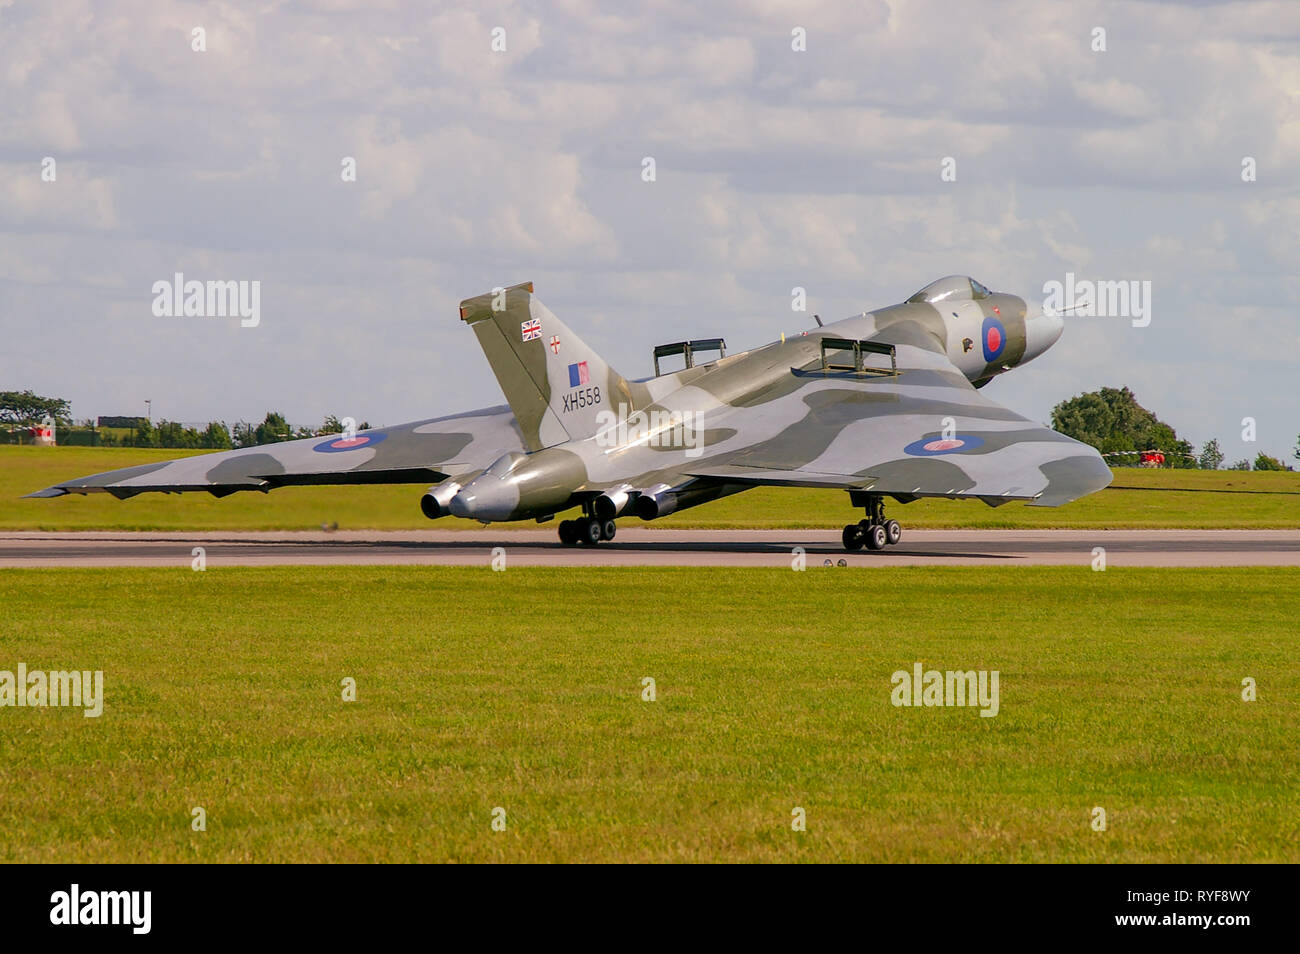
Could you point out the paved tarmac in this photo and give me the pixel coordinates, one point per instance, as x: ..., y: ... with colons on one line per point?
x: 635, y: 546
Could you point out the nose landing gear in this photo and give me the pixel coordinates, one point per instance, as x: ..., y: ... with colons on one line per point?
x: 875, y: 532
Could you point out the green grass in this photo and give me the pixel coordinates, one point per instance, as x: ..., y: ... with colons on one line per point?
x: 1273, y: 500
x: 522, y: 689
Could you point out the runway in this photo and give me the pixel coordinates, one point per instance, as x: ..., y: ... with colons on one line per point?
x: 636, y: 546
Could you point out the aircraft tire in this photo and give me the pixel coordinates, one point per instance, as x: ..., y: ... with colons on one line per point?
x: 589, y: 531
x: 568, y: 533
x: 876, y: 537
x: 852, y: 537
x: 607, y: 530
x: 893, y: 531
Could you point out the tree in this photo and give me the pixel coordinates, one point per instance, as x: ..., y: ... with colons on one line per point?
x: 143, y: 435
x: 243, y: 434
x: 215, y: 436
x: 1264, y: 462
x: 172, y: 434
x: 1297, y: 448
x: 1211, y: 457
x: 1112, y: 421
x: 1242, y: 464
x: 26, y: 409
x: 272, y: 430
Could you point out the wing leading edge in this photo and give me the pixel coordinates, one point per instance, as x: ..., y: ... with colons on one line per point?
x: 419, y: 452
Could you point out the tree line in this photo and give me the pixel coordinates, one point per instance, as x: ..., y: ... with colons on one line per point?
x: 20, y: 410
x: 217, y: 436
x: 1112, y: 420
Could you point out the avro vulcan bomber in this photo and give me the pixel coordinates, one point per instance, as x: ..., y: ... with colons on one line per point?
x: 885, y: 405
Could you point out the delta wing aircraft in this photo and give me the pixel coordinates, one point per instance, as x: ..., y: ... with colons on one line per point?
x: 882, y: 405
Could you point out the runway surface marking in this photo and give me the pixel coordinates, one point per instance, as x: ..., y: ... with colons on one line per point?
x: 644, y: 547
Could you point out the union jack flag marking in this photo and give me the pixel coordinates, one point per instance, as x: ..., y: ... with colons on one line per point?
x: 530, y: 329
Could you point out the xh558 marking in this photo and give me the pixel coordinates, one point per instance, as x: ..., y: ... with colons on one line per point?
x: 882, y: 404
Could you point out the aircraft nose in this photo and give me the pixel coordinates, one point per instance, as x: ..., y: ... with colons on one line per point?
x: 1041, y: 332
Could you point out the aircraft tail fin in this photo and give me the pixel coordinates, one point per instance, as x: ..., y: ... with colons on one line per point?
x: 555, y: 383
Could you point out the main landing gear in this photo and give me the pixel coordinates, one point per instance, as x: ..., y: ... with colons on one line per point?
x: 587, y: 530
x: 875, y: 532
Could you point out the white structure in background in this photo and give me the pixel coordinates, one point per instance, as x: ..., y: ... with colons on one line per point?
x: 43, y: 435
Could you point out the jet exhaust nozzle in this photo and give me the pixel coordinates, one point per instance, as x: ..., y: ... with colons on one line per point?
x: 658, y: 501
x: 436, y: 501
x: 612, y: 502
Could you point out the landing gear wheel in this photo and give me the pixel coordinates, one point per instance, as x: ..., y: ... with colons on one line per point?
x: 568, y: 533
x: 876, y: 537
x: 589, y: 531
x: 875, y: 530
x: 607, y: 530
x: 852, y: 537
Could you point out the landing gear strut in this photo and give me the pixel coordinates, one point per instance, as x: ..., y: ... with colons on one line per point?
x: 876, y: 531
x: 587, y: 530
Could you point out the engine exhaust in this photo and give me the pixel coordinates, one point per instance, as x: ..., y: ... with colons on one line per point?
x: 658, y: 501
x: 436, y: 501
x: 612, y: 502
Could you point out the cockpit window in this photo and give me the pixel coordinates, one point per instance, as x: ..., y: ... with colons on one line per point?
x: 951, y: 288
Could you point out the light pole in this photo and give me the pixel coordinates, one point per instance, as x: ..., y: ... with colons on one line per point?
x: 148, y: 409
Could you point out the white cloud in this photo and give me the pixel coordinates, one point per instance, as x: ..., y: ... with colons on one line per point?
x: 775, y: 168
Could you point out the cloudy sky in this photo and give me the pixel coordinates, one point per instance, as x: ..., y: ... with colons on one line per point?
x: 775, y: 168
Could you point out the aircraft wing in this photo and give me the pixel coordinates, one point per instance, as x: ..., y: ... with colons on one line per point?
x: 420, y: 452
x: 922, y: 432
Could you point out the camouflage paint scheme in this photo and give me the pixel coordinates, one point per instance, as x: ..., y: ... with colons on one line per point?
x: 770, y: 416
x: 408, y: 453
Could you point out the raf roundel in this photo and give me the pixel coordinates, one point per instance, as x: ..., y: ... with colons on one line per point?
x: 994, y: 338
x: 933, y: 446
x: 337, y: 445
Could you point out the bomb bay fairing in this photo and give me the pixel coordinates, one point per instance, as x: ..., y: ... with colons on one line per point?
x: 884, y: 404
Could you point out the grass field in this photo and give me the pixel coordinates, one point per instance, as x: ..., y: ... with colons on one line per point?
x: 1212, y: 500
x: 523, y: 690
